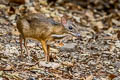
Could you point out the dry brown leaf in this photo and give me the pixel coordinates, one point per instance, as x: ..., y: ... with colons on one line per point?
x: 73, y: 6
x: 44, y: 10
x: 116, y: 22
x: 104, y: 79
x: 99, y: 24
x: 113, y: 37
x: 96, y: 29
x: 32, y: 10
x: 8, y: 67
x: 11, y: 10
x: 43, y: 2
x: 1, y: 68
x: 118, y: 35
x: 54, y: 50
x: 3, y: 1
x: 89, y: 77
x: 2, y: 6
x: 89, y: 14
x: 13, y: 76
x: 111, y: 76
x: 112, y: 47
x: 69, y: 64
x: 58, y: 76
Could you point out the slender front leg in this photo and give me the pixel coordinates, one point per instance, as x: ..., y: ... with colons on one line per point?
x: 20, y: 37
x: 44, y: 46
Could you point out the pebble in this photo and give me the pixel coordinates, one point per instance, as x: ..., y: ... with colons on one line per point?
x: 117, y: 44
x: 49, y: 64
x: 117, y: 64
x: 1, y: 78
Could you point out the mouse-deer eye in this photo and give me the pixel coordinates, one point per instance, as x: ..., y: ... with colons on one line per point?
x: 70, y: 27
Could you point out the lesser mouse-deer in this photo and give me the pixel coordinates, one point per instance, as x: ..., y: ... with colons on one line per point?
x: 41, y: 28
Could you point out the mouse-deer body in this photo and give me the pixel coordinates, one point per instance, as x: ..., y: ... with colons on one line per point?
x: 41, y: 28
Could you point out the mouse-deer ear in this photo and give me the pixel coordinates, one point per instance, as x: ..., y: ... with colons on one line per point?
x: 63, y: 20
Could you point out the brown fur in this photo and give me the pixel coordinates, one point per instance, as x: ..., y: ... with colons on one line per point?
x: 38, y: 27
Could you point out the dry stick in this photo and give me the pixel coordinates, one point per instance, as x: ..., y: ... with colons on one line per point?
x: 104, y: 17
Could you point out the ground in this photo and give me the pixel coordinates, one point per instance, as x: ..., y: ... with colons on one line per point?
x: 95, y: 55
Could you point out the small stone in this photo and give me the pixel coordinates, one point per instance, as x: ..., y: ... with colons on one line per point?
x: 1, y: 78
x: 49, y: 64
x: 117, y: 64
x: 117, y: 44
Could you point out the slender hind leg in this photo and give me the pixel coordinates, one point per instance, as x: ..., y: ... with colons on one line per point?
x: 48, y: 48
x: 25, y: 45
x: 49, y: 56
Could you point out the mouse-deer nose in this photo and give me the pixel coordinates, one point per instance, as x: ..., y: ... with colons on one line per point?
x: 76, y: 34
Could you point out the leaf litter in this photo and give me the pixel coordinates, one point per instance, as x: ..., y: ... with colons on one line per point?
x: 95, y: 55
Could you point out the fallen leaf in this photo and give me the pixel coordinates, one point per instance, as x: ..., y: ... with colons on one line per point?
x: 89, y: 77
x: 66, y: 63
x: 116, y: 22
x: 54, y: 50
x: 118, y: 35
x: 49, y: 64
x: 111, y: 76
x: 8, y: 67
